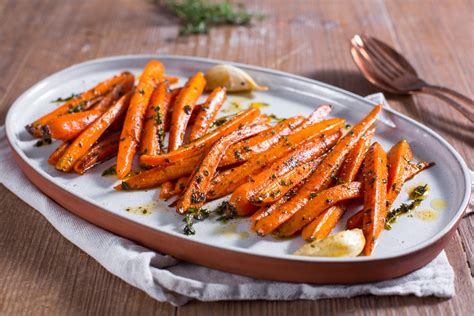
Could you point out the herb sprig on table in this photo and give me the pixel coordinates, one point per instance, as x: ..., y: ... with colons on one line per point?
x: 198, y: 16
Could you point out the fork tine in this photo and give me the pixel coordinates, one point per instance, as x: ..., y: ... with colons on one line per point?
x: 387, y: 57
x: 376, y: 65
x: 382, y: 61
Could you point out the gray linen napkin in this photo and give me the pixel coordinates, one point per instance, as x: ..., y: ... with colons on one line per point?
x: 169, y: 280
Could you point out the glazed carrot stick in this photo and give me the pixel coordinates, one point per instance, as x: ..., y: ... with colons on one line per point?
x: 275, y: 190
x: 114, y: 94
x: 201, y: 145
x: 416, y: 168
x: 319, y: 179
x: 132, y: 127
x: 323, y: 224
x: 180, y: 186
x: 207, y: 113
x: 248, y: 148
x: 68, y: 126
x: 317, y: 205
x: 153, y: 134
x: 91, y: 134
x: 78, y: 103
x: 155, y: 177
x: 104, y: 149
x: 182, y: 109
x: 166, y: 190
x: 375, y: 194
x: 229, y: 180
x: 317, y: 115
x: 55, y: 155
x: 196, y: 190
x: 248, y: 192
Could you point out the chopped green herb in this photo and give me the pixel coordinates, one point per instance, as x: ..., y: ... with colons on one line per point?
x: 420, y: 192
x: 226, y: 212
x: 198, y: 16
x: 77, y: 108
x: 194, y: 214
x: 187, y: 109
x: 72, y: 96
x: 312, y: 195
x: 276, y: 119
x: 44, y: 141
x: 125, y: 186
x: 111, y: 171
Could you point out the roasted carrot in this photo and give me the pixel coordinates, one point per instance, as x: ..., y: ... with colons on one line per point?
x: 180, y: 185
x: 416, y: 168
x: 196, y: 190
x: 156, y: 176
x: 153, y: 134
x: 274, y: 190
x: 91, y: 134
x: 375, y: 195
x: 316, y: 205
x: 104, y: 149
x: 229, y: 180
x: 207, y: 113
x: 201, y: 145
x: 55, y: 155
x: 319, y: 179
x: 248, y: 193
x: 355, y: 157
x: 68, y: 126
x: 166, y: 190
x: 132, y: 127
x: 322, y: 225
x: 114, y: 94
x: 182, y: 109
x: 243, y: 150
x: 78, y: 103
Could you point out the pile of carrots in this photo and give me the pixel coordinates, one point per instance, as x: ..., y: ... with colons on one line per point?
x: 296, y: 176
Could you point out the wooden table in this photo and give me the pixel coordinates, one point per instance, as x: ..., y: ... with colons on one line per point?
x: 42, y: 273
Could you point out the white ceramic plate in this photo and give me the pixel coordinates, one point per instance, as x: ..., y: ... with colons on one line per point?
x: 288, y: 95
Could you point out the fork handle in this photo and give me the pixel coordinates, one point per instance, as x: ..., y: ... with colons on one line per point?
x: 452, y: 92
x: 466, y: 109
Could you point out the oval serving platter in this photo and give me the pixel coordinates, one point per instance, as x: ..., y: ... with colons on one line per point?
x: 231, y: 246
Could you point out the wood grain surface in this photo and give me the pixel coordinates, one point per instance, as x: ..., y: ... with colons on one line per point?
x: 42, y: 273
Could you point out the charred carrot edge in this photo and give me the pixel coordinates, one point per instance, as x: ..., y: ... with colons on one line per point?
x: 229, y: 180
x: 375, y: 195
x: 104, y: 149
x: 246, y: 149
x: 79, y: 103
x: 194, y: 195
x: 320, y: 178
x: 199, y: 146
x: 69, y: 126
x: 91, y: 134
x: 182, y: 109
x: 207, y: 113
x: 132, y: 127
x: 248, y: 192
x: 153, y: 134
x: 317, y: 205
x: 55, y: 155
x: 166, y: 190
x: 322, y: 226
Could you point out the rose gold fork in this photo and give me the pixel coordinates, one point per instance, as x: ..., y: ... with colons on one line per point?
x: 386, y: 68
